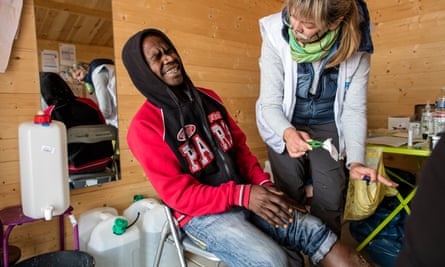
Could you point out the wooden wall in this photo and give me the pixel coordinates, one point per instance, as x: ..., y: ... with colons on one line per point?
x: 408, y: 66
x: 220, y: 44
x: 83, y: 53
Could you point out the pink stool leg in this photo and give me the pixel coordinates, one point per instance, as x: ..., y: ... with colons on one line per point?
x: 62, y: 232
x: 5, y: 245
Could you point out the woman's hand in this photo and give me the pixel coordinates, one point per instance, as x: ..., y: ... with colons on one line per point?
x: 296, y: 142
x: 358, y: 171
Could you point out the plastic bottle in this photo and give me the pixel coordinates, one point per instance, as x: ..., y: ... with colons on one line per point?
x: 43, y: 167
x: 410, y: 137
x: 434, y: 141
x: 440, y: 100
x: 439, y: 114
x: 427, y: 121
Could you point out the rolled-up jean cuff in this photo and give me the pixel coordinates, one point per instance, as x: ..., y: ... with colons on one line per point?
x: 324, y: 249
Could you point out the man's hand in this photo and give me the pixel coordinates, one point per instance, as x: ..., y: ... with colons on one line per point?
x: 293, y: 204
x: 271, y: 205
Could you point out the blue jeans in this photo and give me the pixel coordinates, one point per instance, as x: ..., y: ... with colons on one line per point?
x: 241, y: 238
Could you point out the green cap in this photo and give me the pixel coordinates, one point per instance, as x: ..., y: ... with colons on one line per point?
x: 137, y: 197
x: 120, y: 225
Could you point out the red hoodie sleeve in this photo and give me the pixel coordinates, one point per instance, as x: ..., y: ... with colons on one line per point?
x: 180, y: 191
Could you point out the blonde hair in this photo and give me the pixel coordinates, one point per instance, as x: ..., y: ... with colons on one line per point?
x: 328, y: 12
x: 77, y: 66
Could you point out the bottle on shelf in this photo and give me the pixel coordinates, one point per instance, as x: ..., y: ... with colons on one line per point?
x: 439, y: 114
x: 427, y: 121
x: 440, y: 100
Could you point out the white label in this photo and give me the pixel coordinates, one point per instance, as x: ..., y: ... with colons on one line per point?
x: 48, y: 149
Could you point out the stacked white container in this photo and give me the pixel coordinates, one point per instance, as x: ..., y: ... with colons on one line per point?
x: 108, y: 248
x: 152, y: 221
x: 89, y: 220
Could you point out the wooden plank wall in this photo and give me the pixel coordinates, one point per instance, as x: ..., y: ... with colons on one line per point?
x: 408, y: 66
x: 83, y: 52
x: 219, y: 43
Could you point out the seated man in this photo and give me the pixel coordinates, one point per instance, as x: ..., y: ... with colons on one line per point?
x: 64, y: 106
x: 197, y: 160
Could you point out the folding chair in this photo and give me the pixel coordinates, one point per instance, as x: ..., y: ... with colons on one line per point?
x: 90, y: 134
x: 186, y: 244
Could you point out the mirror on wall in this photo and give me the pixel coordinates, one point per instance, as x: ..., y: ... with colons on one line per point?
x: 80, y: 33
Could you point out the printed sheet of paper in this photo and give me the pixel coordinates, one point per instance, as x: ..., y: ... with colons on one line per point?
x: 67, y: 54
x: 50, y: 61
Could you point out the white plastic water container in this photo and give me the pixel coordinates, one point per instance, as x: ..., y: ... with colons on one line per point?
x: 112, y: 250
x: 153, y: 224
x: 88, y: 220
x: 43, y: 167
x: 136, y: 210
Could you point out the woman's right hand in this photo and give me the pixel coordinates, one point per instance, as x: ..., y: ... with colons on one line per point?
x: 358, y: 171
x: 296, y: 142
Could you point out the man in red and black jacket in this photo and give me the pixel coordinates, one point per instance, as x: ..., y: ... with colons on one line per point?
x: 197, y: 160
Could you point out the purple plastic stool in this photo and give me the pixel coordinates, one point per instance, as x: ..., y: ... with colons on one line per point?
x: 12, y: 216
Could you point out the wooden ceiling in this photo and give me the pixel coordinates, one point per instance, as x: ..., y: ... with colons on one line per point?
x: 87, y: 22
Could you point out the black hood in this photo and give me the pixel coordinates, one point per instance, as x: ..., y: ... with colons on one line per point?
x: 153, y: 88
x: 179, y: 112
x: 54, y: 89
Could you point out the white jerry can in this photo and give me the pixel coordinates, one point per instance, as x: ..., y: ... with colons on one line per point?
x: 149, y: 215
x: 114, y: 243
x: 43, y: 167
x: 88, y: 220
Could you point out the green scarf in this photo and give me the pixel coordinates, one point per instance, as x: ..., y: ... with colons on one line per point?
x: 312, y: 51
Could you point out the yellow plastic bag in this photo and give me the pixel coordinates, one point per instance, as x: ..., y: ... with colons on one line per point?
x: 362, y: 199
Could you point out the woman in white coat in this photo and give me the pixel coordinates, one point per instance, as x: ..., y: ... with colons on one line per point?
x: 315, y: 62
